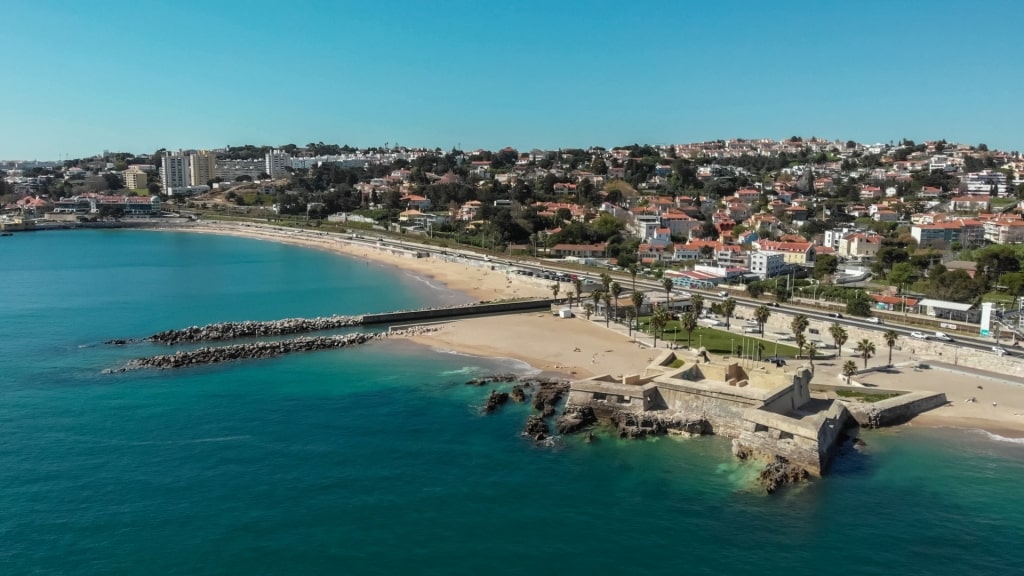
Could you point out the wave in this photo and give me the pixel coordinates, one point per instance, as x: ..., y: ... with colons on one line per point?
x: 998, y: 438
x: 513, y: 365
x: 196, y: 441
x: 426, y: 281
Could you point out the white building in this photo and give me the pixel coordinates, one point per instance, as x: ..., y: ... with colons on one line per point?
x: 277, y: 161
x: 985, y: 182
x: 767, y: 264
x: 174, y: 173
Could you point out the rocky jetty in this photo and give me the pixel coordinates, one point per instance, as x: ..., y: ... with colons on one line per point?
x: 251, y: 329
x: 255, y: 350
x: 575, y: 418
x: 548, y: 395
x: 644, y: 424
x: 780, y: 472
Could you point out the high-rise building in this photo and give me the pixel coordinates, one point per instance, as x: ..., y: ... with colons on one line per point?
x: 202, y: 167
x: 174, y: 173
x: 277, y: 161
x: 134, y: 178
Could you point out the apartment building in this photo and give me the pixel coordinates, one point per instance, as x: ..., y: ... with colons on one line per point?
x: 134, y: 178
x: 202, y: 167
x: 174, y: 173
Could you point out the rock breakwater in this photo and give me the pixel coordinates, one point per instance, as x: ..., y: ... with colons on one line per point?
x: 251, y: 329
x: 256, y: 350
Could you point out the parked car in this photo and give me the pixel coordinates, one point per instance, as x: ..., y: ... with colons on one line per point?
x: 835, y: 315
x: 874, y: 320
x: 999, y: 351
x: 942, y: 336
x: 779, y: 362
x: 919, y: 335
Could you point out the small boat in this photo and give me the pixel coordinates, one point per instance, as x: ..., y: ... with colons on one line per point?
x: 6, y: 233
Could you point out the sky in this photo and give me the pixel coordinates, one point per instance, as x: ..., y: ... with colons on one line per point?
x: 120, y: 75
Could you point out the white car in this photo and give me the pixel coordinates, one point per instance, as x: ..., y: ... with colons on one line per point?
x: 919, y: 335
x: 999, y: 351
x: 874, y: 320
x: 723, y: 294
x: 942, y: 336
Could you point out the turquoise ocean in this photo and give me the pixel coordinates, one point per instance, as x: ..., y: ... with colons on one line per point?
x: 376, y: 460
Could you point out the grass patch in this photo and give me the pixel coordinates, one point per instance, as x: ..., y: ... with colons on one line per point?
x: 997, y: 297
x: 864, y: 396
x: 718, y: 341
x: 677, y: 363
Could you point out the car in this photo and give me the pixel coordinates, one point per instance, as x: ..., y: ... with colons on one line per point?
x: 723, y: 294
x: 779, y: 362
x: 919, y: 335
x: 999, y: 350
x: 834, y: 315
x: 942, y: 336
x: 873, y: 320
x: 774, y: 304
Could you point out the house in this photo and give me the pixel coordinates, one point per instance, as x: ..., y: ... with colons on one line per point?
x: 679, y: 223
x: 414, y: 202
x: 798, y: 253
x: 563, y: 188
x: 767, y: 264
x: 971, y: 204
x: 1004, y: 231
x: 579, y: 250
x: 469, y: 211
x: 894, y: 303
x: 885, y: 216
x: 967, y: 232
x: 859, y: 245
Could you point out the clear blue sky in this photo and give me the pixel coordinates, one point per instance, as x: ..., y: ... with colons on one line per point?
x: 81, y: 77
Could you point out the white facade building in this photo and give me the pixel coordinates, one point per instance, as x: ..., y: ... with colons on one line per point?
x: 277, y: 161
x: 767, y: 264
x: 174, y: 173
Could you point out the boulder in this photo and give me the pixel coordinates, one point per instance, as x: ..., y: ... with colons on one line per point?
x: 575, y: 418
x: 536, y: 428
x: 495, y: 400
x: 780, y: 472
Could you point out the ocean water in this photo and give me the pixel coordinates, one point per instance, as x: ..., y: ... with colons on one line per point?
x: 377, y: 460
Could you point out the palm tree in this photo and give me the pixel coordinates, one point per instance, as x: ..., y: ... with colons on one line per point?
x: 633, y: 269
x: 638, y: 304
x: 658, y: 321
x: 630, y: 315
x: 697, y: 304
x: 577, y: 283
x: 616, y: 290
x: 569, y: 295
x: 801, y: 341
x: 606, y: 281
x: 799, y: 324
x: 554, y: 290
x: 668, y: 285
x: 761, y: 314
x: 688, y: 322
x: 890, y: 338
x: 849, y: 369
x: 812, y: 349
x: 588, y: 309
x: 728, y: 307
x: 596, y: 297
x: 839, y: 336
x: 865, y: 349
x: 607, y: 297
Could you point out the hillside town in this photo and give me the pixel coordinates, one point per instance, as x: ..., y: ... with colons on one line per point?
x: 931, y: 227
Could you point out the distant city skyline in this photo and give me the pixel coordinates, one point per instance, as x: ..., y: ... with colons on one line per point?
x: 548, y: 75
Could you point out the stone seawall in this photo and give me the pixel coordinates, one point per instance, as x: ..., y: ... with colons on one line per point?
x: 896, y: 410
x: 254, y: 329
x: 457, y: 311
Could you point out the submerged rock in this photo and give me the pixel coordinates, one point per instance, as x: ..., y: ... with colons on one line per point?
x: 644, y: 424
x: 518, y: 393
x: 536, y: 428
x: 575, y: 418
x: 492, y: 379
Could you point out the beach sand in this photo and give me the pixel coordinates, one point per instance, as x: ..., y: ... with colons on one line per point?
x: 549, y: 343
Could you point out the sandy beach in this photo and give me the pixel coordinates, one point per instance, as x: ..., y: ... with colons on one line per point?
x: 583, y: 348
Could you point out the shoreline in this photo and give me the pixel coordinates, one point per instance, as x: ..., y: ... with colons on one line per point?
x: 574, y: 348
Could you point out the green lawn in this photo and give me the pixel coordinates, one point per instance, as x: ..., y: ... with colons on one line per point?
x: 998, y: 297
x: 717, y: 341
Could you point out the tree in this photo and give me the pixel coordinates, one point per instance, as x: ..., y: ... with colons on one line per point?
x: 865, y: 349
x: 825, y: 265
x: 588, y: 309
x: 799, y: 324
x: 755, y: 289
x: 696, y: 305
x: 570, y: 295
x: 668, y: 285
x: 812, y: 349
x: 890, y: 337
x: 761, y: 314
x: 244, y: 178
x: 849, y: 369
x: 659, y: 318
x: 728, y: 307
x: 800, y: 341
x: 554, y: 290
x: 688, y: 322
x: 633, y: 269
x: 577, y: 283
x: 901, y: 274
x: 616, y: 291
x: 859, y: 304
x: 638, y: 301
x: 839, y: 336
x: 607, y: 298
x: 630, y: 315
x: 596, y: 297
x: 606, y: 282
